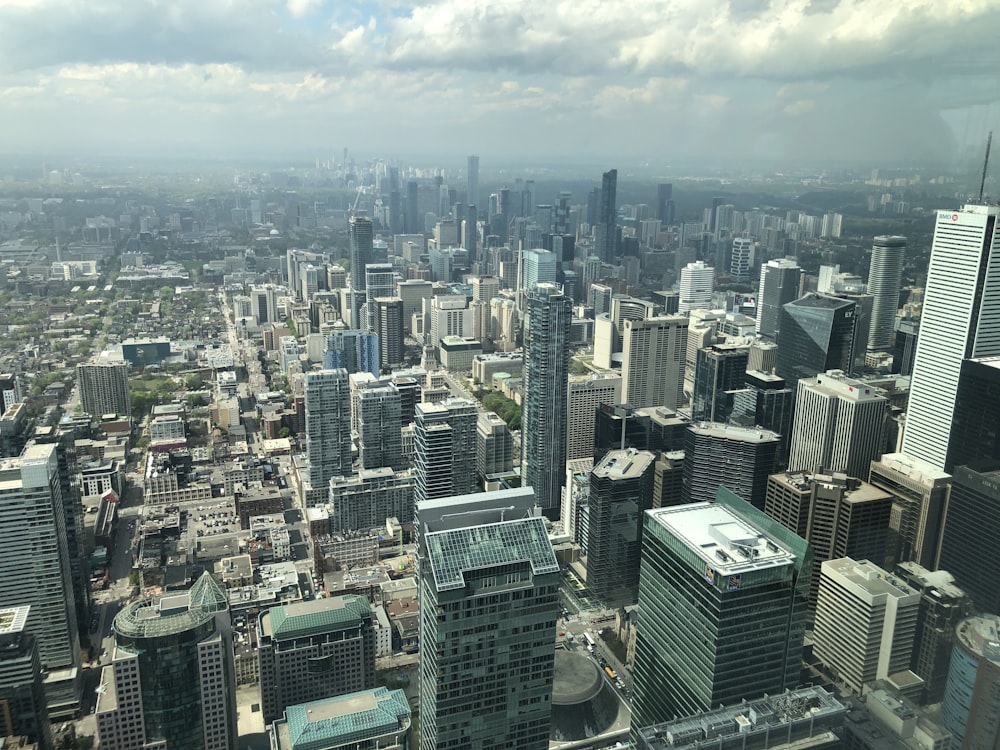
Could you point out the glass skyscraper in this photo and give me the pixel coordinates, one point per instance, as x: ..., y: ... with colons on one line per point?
x: 722, y: 600
x: 546, y: 380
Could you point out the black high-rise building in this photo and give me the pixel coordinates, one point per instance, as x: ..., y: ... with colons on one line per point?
x: 765, y: 401
x: 414, y: 222
x: 623, y: 426
x: 719, y: 369
x: 817, y: 335
x: 664, y: 193
x: 607, y: 214
x: 361, y: 237
x: 621, y: 491
x: 975, y: 423
x: 904, y: 348
x: 971, y: 528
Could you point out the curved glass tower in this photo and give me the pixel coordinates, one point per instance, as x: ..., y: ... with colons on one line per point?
x: 180, y: 648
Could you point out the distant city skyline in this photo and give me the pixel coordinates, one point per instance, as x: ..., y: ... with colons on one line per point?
x: 761, y: 82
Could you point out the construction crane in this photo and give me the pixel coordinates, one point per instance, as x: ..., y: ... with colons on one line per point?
x: 357, y: 198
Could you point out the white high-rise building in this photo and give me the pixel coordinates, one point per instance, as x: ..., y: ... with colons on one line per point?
x: 328, y: 429
x: 960, y: 320
x: 654, y: 356
x: 586, y: 393
x: 866, y: 620
x: 741, y: 259
x: 884, y: 276
x: 696, y: 287
x: 537, y: 267
x: 839, y: 425
x: 779, y: 284
x: 449, y: 315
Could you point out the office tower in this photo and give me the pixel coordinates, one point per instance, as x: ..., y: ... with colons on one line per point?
x: 328, y: 427
x: 958, y: 321
x: 335, y: 637
x: 600, y: 297
x: 365, y: 500
x: 741, y: 259
x: 10, y: 391
x: 884, y: 277
x: 537, y: 267
x: 413, y: 222
x: 445, y: 460
x: 722, y: 592
x: 840, y: 516
x: 264, y: 304
x: 488, y: 586
x: 765, y: 401
x: 723, y: 224
x: 739, y: 459
x: 839, y: 425
x: 972, y: 526
x: 21, y: 691
x: 664, y: 203
x: 866, y: 620
x: 668, y: 479
x: 817, y: 335
x: 973, y: 438
x: 586, y: 394
x: 353, y: 351
x: 653, y: 361
x: 621, y: 491
x: 606, y: 226
x: 545, y: 379
x: 380, y: 280
x: 171, y: 682
x: 719, y: 369
x: 449, y: 316
x: 971, y: 707
x: 943, y: 605
x: 361, y: 240
x: 38, y: 573
x: 780, y: 281
x: 904, y: 347
x: 920, y: 497
x: 103, y: 385
x: 369, y: 719
x: 380, y: 428
x: 494, y: 446
x: 472, y: 180
x: 413, y: 292
x: 388, y: 326
x: 696, y: 287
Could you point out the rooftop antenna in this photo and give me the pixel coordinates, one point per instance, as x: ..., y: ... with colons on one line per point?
x: 986, y: 162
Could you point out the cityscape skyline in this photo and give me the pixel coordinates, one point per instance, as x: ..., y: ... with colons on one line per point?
x: 312, y: 76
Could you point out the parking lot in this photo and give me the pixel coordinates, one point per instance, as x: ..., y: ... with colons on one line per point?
x: 212, y: 518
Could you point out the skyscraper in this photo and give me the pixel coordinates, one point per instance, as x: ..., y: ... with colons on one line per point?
x: 779, y: 284
x: 354, y: 351
x: 719, y: 369
x: 840, y: 516
x: 884, y: 277
x: 665, y: 203
x: 974, y: 437
x: 737, y: 458
x: 920, y: 497
x: 444, y: 463
x: 839, y: 425
x: 103, y: 385
x: 171, y: 682
x: 328, y: 429
x: 621, y: 491
x: 335, y: 637
x: 696, y: 287
x: 494, y: 446
x: 472, y: 180
x: 380, y: 428
x: 38, y: 573
x: 654, y: 354
x: 361, y: 239
x: 548, y: 317
x: 741, y: 259
x: 489, y: 585
x: 866, y: 620
x: 960, y: 320
x: 971, y: 707
x: 388, y: 326
x: 537, y: 266
x: 21, y: 692
x: 607, y: 218
x: 586, y: 394
x: 765, y: 401
x: 972, y: 526
x: 722, y: 592
x: 817, y: 335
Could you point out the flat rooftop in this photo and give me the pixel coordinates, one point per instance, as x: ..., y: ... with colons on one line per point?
x: 624, y: 464
x: 981, y: 636
x: 725, y: 541
x: 870, y: 578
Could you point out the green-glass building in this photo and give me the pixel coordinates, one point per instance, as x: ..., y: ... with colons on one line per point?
x: 723, y: 591
x: 171, y: 683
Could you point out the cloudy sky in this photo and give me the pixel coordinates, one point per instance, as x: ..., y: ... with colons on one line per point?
x: 664, y: 80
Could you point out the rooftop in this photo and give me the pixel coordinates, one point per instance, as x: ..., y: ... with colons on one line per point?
x: 732, y: 432
x: 318, y: 616
x: 981, y: 636
x: 167, y: 615
x: 820, y: 302
x: 344, y: 719
x: 869, y: 578
x: 624, y: 464
x: 723, y: 540
x: 13, y: 619
x: 451, y: 553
